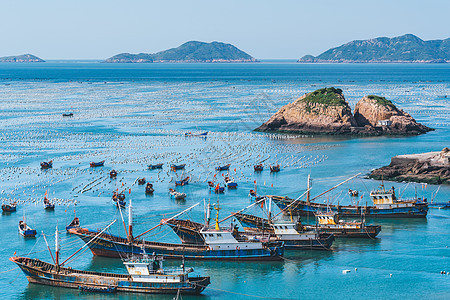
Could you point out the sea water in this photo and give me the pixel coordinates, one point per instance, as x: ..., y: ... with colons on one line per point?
x: 132, y: 115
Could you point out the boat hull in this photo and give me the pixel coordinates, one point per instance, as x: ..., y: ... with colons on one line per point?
x: 302, y: 208
x: 112, y: 246
x: 48, y: 275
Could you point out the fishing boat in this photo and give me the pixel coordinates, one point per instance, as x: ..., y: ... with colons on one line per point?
x: 113, y: 174
x: 231, y: 184
x: 48, y: 205
x: 67, y: 114
x: 211, y: 184
x: 327, y: 223
x: 353, y: 193
x: 219, y: 245
x: 74, y: 224
x: 203, y: 134
x: 26, y: 230
x: 141, y: 181
x: 97, y: 164
x: 47, y: 165
x: 258, y: 168
x: 118, y: 199
x: 223, y: 168
x: 385, y: 205
x: 12, y: 207
x: 174, y: 167
x: 149, y: 188
x: 145, y: 275
x: 219, y: 189
x: 183, y: 181
x: 275, y: 168
x: 439, y: 205
x: 156, y: 166
x: 177, y: 195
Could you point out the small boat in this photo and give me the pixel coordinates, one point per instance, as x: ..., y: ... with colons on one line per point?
x: 47, y: 165
x: 177, y: 195
x: 97, y: 164
x: 67, y: 114
x: 231, y: 184
x: 353, y: 193
x: 183, y: 181
x: 223, y: 168
x: 196, y: 134
x: 113, y: 174
x: 12, y: 207
x: 219, y: 189
x: 153, y: 167
x: 119, y: 199
x: 258, y: 168
x: 48, y: 205
x: 174, y: 167
x: 74, y: 224
x: 149, y: 188
x: 275, y: 168
x: 141, y: 181
x: 211, y: 184
x: 26, y: 230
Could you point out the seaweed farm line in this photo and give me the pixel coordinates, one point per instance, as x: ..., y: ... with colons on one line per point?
x: 133, y: 116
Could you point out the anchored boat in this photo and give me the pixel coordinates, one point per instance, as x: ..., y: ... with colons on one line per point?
x: 47, y: 164
x: 183, y: 181
x: 25, y: 230
x: 156, y: 166
x: 223, y: 168
x: 97, y: 164
x: 12, y: 207
x: 48, y: 205
x: 74, y: 224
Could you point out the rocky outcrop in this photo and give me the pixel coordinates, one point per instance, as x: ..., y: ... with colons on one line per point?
x: 377, y: 111
x: 21, y: 58
x: 322, y: 111
x: 325, y: 111
x: 431, y: 167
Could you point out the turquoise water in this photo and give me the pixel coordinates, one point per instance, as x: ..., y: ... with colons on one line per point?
x: 132, y: 115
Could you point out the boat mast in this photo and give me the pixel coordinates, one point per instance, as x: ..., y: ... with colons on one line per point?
x: 217, y: 208
x: 270, y: 209
x: 308, y: 188
x: 130, y: 222
x: 56, y: 246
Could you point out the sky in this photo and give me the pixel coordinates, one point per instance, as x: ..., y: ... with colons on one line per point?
x: 281, y: 29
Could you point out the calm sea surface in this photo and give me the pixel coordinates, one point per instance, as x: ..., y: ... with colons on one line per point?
x: 132, y: 115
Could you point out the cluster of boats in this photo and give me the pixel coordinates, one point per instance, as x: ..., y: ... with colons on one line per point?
x: 273, y: 168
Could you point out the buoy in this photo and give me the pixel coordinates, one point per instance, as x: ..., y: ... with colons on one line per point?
x: 356, y: 269
x: 390, y: 275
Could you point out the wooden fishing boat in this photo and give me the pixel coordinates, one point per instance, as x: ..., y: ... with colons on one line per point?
x: 118, y: 199
x: 258, y: 168
x: 145, y: 275
x: 149, y: 188
x: 219, y: 189
x: 174, y: 167
x: 12, y: 207
x: 223, y: 168
x: 231, y: 184
x: 385, y: 205
x: 203, y: 134
x: 219, y: 245
x: 97, y: 164
x: 48, y: 205
x: 113, y: 174
x: 353, y: 193
x: 177, y: 195
x: 141, y: 181
x: 74, y: 224
x: 67, y: 114
x: 156, y: 166
x: 183, y: 181
x: 47, y: 165
x: 275, y: 168
x: 26, y: 230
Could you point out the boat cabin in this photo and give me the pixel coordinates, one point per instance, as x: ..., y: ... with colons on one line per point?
x: 151, y: 270
x: 327, y: 219
x: 288, y: 231
x: 225, y: 240
x: 383, y: 197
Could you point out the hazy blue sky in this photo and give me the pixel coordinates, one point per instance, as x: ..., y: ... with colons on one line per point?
x: 97, y: 29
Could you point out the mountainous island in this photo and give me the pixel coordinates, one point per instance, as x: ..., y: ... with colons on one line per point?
x: 431, y: 167
x: 21, y: 58
x: 407, y: 48
x: 188, y: 52
x: 325, y: 111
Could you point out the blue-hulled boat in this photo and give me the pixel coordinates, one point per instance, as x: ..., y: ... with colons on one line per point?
x: 97, y: 164
x: 174, y: 167
x: 118, y: 199
x: 155, y: 166
x: 48, y: 205
x: 203, y: 134
x: 223, y: 168
x: 258, y: 168
x: 275, y: 168
x: 74, y: 224
x: 183, y: 181
x: 231, y: 184
x: 12, y: 207
x: 47, y: 164
x: 26, y: 230
x: 149, y: 188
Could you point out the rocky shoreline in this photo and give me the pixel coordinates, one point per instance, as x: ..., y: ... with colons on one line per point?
x: 325, y: 111
x: 431, y: 167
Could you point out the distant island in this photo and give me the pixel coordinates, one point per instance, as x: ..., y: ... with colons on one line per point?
x: 325, y: 111
x: 407, y: 48
x: 21, y: 58
x: 192, y: 51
